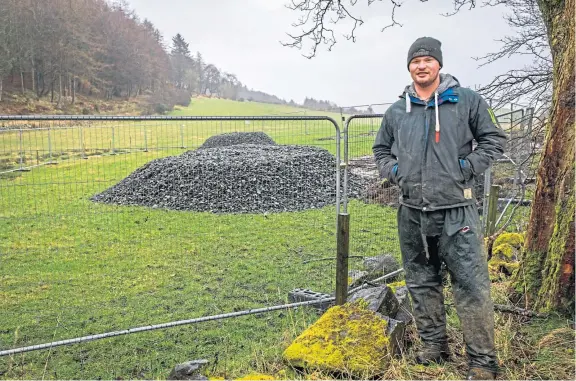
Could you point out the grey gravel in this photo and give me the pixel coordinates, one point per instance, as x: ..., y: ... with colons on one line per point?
x: 244, y: 178
x: 235, y: 138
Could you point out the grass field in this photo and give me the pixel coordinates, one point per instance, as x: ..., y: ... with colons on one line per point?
x: 70, y: 267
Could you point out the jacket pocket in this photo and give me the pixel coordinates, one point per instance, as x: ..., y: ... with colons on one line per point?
x: 465, y: 169
x: 394, y: 174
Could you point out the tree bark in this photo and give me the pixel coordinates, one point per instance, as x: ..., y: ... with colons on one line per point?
x: 59, y: 90
x: 546, y: 275
x: 33, y: 80
x: 73, y: 89
x: 52, y: 89
x: 22, y: 80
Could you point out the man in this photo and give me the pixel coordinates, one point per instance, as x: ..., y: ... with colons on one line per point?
x: 424, y: 145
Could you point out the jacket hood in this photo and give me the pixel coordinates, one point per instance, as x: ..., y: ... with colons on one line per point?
x: 447, y: 81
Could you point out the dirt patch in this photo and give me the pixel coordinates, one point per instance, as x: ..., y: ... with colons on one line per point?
x: 376, y: 192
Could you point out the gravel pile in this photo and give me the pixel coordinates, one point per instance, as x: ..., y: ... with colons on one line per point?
x: 235, y: 138
x: 236, y: 179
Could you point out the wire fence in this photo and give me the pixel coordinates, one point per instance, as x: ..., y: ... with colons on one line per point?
x: 373, y: 214
x: 515, y: 171
x: 112, y: 223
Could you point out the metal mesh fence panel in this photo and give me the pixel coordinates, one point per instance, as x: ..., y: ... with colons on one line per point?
x: 373, y: 211
x: 515, y: 171
x: 113, y: 223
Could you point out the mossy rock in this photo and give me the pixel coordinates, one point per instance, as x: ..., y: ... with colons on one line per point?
x: 515, y: 240
x: 500, y: 270
x: 395, y: 285
x: 348, y: 339
x: 505, y: 252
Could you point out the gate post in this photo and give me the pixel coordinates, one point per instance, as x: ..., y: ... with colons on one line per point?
x: 492, y: 210
x: 342, y: 258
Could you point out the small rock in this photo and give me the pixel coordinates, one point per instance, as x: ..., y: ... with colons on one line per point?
x: 304, y: 295
x: 356, y: 277
x: 395, y: 331
x: 405, y: 311
x: 381, y: 265
x: 189, y: 371
x: 380, y: 299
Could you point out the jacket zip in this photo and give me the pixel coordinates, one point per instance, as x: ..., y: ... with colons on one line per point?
x: 425, y: 152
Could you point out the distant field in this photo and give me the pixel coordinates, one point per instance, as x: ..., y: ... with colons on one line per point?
x: 213, y: 106
x: 40, y: 142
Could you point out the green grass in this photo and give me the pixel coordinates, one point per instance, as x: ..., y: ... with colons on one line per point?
x: 226, y: 107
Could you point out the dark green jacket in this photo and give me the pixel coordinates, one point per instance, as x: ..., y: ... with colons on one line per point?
x: 438, y: 175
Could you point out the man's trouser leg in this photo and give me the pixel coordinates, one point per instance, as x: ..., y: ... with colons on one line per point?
x: 466, y: 262
x: 422, y: 278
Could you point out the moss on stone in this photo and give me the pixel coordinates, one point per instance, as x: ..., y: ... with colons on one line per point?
x: 394, y: 285
x: 349, y: 339
x: 504, y: 252
x: 515, y: 240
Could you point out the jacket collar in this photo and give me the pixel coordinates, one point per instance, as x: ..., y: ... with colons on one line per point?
x: 447, y: 91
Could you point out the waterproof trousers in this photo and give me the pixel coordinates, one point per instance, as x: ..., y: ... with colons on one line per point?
x: 452, y: 237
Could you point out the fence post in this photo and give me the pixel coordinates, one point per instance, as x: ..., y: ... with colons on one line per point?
x: 492, y: 210
x: 342, y: 258
x: 487, y: 184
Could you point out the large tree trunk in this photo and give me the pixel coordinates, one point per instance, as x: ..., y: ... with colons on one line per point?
x: 547, y: 268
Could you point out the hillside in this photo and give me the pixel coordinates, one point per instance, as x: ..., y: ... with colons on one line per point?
x: 214, y: 106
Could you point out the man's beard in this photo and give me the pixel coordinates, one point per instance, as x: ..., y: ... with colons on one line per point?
x: 428, y: 83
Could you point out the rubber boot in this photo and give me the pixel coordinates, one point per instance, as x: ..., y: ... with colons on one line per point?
x: 432, y: 354
x: 480, y: 374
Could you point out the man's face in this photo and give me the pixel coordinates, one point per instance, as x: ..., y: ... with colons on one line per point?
x: 424, y: 70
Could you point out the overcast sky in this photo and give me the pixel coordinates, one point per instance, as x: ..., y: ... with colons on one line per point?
x: 243, y: 37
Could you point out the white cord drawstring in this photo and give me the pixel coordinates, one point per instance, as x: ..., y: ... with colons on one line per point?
x: 408, y: 107
x: 437, y: 117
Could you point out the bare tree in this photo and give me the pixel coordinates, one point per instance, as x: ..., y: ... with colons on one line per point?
x: 533, y: 83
